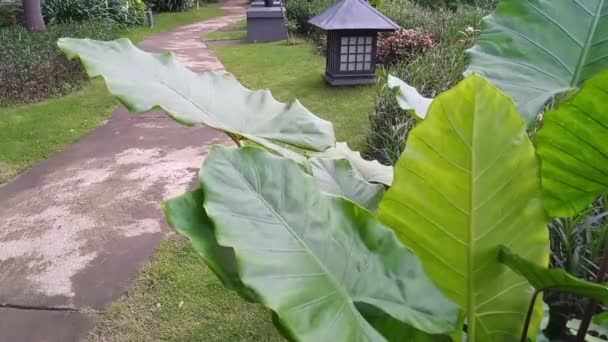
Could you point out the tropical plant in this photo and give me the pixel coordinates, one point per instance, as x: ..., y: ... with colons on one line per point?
x: 533, y: 50
x: 171, y: 5
x: 296, y: 231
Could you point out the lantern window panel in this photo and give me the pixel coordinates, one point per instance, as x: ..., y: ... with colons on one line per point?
x: 356, y: 53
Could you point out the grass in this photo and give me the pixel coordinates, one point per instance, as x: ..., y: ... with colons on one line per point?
x: 294, y: 72
x: 224, y: 35
x: 177, y: 298
x: 236, y: 30
x: 32, y: 133
x: 29, y: 134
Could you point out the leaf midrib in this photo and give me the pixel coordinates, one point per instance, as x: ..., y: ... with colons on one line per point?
x: 588, y: 42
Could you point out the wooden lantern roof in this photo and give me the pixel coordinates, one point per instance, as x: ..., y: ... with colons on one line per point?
x: 353, y: 15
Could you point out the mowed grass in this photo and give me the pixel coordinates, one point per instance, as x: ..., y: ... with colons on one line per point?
x: 294, y: 72
x: 177, y: 298
x: 150, y: 311
x: 31, y: 133
x: 34, y: 132
x: 236, y: 30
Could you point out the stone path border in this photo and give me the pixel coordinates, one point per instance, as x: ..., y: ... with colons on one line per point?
x: 75, y: 229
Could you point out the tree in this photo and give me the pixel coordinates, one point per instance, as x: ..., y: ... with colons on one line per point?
x: 33, y: 15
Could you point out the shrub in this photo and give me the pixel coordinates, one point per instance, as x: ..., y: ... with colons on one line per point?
x: 171, y: 5
x: 300, y: 11
x: 123, y: 12
x: 7, y: 13
x: 403, y: 45
x: 431, y: 72
x: 454, y: 4
x: 31, y: 66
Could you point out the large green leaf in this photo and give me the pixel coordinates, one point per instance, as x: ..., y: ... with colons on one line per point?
x: 187, y: 216
x: 339, y: 177
x: 371, y: 170
x: 143, y: 81
x: 533, y: 49
x: 313, y: 257
x: 467, y: 182
x: 543, y: 278
x: 573, y: 149
x: 409, y: 98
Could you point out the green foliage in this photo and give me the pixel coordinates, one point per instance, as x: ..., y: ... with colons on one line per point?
x: 455, y: 4
x: 32, y: 67
x: 572, y: 146
x: 339, y: 177
x: 329, y: 255
x: 171, y: 5
x: 252, y: 115
x: 123, y: 12
x: 552, y: 279
x: 468, y: 181
x: 461, y: 168
x: 431, y: 72
x: 7, y: 11
x: 409, y: 98
x: 300, y: 11
x: 533, y: 50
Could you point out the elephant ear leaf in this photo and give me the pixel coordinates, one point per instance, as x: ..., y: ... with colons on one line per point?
x: 313, y: 257
x: 409, y: 98
x: 466, y: 183
x: 371, y: 170
x: 573, y: 150
x: 543, y: 278
x: 339, y: 177
x: 143, y: 81
x: 534, y: 49
x: 187, y: 216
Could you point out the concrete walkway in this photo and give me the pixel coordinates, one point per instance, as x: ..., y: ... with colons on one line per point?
x: 75, y: 229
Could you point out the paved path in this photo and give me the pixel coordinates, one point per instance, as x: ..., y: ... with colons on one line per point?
x: 75, y: 228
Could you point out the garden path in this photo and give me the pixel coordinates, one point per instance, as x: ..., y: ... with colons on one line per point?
x: 75, y: 229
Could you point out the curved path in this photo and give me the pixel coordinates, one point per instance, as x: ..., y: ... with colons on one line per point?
x: 75, y: 229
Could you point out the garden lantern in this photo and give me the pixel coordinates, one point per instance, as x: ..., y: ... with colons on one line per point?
x: 352, y: 32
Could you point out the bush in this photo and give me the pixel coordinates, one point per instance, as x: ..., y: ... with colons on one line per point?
x: 123, y: 12
x: 431, y: 72
x: 300, y: 11
x: 171, y: 5
x: 32, y: 67
x: 403, y: 45
x: 454, y: 4
x: 7, y: 13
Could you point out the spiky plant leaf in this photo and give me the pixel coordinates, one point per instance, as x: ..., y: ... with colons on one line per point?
x: 573, y: 149
x: 143, y: 81
x: 312, y: 257
x: 533, y: 49
x: 466, y: 183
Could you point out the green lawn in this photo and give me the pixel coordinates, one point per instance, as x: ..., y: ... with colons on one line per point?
x: 237, y: 30
x: 32, y: 133
x: 210, y: 312
x: 177, y: 298
x: 294, y: 71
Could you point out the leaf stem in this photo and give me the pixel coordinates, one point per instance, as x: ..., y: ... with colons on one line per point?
x: 524, y: 333
x: 235, y: 140
x: 592, y: 305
